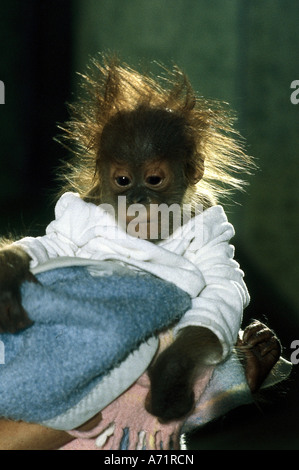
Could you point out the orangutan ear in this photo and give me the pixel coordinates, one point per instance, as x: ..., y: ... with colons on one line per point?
x: 194, y: 173
x: 198, y: 175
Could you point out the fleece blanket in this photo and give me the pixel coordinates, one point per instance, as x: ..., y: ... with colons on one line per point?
x: 85, y: 326
x: 97, y: 326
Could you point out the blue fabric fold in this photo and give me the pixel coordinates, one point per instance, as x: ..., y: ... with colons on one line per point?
x: 84, y: 326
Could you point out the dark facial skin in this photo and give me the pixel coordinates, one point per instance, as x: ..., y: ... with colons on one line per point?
x: 142, y: 157
x: 153, y: 183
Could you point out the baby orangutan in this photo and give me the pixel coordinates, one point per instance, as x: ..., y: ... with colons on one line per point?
x: 150, y: 146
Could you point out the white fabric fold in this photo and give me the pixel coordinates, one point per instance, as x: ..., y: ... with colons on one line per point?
x: 198, y: 258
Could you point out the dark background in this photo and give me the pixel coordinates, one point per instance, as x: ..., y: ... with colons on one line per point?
x: 245, y: 53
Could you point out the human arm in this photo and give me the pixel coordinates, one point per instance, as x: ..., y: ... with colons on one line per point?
x: 26, y: 436
x: 18, y: 435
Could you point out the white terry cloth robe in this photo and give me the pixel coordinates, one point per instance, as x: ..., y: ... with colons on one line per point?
x: 197, y: 257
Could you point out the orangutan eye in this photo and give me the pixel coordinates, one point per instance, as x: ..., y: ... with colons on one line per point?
x: 123, y: 181
x: 154, y: 180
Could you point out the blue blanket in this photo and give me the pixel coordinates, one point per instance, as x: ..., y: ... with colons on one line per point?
x: 84, y: 326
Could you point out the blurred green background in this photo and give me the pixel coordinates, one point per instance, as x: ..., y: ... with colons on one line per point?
x: 243, y: 52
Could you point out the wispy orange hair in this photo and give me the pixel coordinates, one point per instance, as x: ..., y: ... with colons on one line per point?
x: 109, y: 87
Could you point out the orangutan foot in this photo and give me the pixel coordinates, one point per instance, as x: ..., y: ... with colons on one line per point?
x: 260, y: 350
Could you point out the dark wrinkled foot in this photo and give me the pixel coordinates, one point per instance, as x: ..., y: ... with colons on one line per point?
x: 260, y: 350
